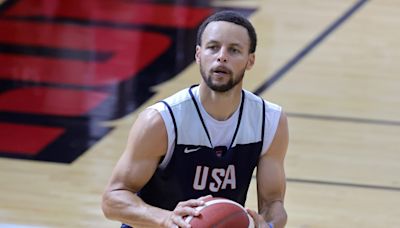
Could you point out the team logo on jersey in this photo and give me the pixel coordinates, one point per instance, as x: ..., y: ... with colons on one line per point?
x: 188, y: 150
x: 215, y: 179
x: 220, y: 150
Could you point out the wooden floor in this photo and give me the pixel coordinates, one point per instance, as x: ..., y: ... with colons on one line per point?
x: 343, y: 103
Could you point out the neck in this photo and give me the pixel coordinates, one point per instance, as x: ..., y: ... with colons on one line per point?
x: 219, y: 105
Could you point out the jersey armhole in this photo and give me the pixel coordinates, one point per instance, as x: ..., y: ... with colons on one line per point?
x: 170, y: 125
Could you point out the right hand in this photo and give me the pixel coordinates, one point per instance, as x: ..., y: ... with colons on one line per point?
x: 183, y: 209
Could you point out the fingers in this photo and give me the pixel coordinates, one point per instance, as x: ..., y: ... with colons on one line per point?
x: 187, y: 208
x: 203, y: 198
x: 190, y: 204
x: 179, y: 221
x: 259, y: 221
x: 252, y: 213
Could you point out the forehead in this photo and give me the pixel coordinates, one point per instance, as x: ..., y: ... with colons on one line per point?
x: 226, y: 32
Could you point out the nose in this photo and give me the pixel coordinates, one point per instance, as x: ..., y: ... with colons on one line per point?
x: 222, y: 55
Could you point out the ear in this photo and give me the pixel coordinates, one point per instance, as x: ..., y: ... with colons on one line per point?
x: 197, y: 54
x: 250, y: 61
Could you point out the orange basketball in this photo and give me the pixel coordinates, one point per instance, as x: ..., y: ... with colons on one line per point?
x: 221, y: 213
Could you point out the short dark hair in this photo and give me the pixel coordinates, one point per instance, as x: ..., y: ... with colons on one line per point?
x: 233, y: 17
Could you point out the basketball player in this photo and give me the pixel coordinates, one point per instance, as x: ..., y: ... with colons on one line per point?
x: 204, y: 140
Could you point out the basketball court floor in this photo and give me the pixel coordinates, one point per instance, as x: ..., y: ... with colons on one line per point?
x: 75, y: 74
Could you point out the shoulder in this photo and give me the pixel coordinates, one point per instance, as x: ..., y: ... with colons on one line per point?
x: 149, y: 122
x: 178, y: 98
x: 253, y: 98
x: 172, y: 105
x: 148, y: 128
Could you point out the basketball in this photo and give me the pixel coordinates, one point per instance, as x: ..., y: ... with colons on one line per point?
x: 221, y: 213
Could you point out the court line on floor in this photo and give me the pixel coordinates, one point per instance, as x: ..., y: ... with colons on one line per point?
x: 343, y: 184
x: 344, y: 119
x: 299, y: 56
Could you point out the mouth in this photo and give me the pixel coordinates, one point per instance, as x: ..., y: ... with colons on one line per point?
x: 221, y: 71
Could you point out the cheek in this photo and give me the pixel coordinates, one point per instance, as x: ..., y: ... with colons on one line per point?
x: 244, y: 64
x: 239, y: 65
x: 205, y: 60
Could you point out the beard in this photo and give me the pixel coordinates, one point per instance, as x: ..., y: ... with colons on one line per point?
x: 221, y: 88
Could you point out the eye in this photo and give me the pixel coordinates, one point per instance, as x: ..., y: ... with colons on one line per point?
x: 212, y: 47
x: 235, y: 50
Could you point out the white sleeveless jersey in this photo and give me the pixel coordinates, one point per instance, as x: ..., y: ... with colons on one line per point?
x: 206, y: 156
x: 220, y: 131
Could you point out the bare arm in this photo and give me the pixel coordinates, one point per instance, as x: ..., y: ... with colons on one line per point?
x: 271, y: 180
x: 147, y: 143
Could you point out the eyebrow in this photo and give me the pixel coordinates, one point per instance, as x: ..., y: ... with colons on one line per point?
x: 232, y: 44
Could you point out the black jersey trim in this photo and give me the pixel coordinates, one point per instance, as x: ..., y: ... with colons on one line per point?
x: 173, y: 120
x: 263, y: 125
x: 199, y: 114
x: 239, y: 120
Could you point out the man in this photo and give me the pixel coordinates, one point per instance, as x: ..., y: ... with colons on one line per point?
x: 204, y: 140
